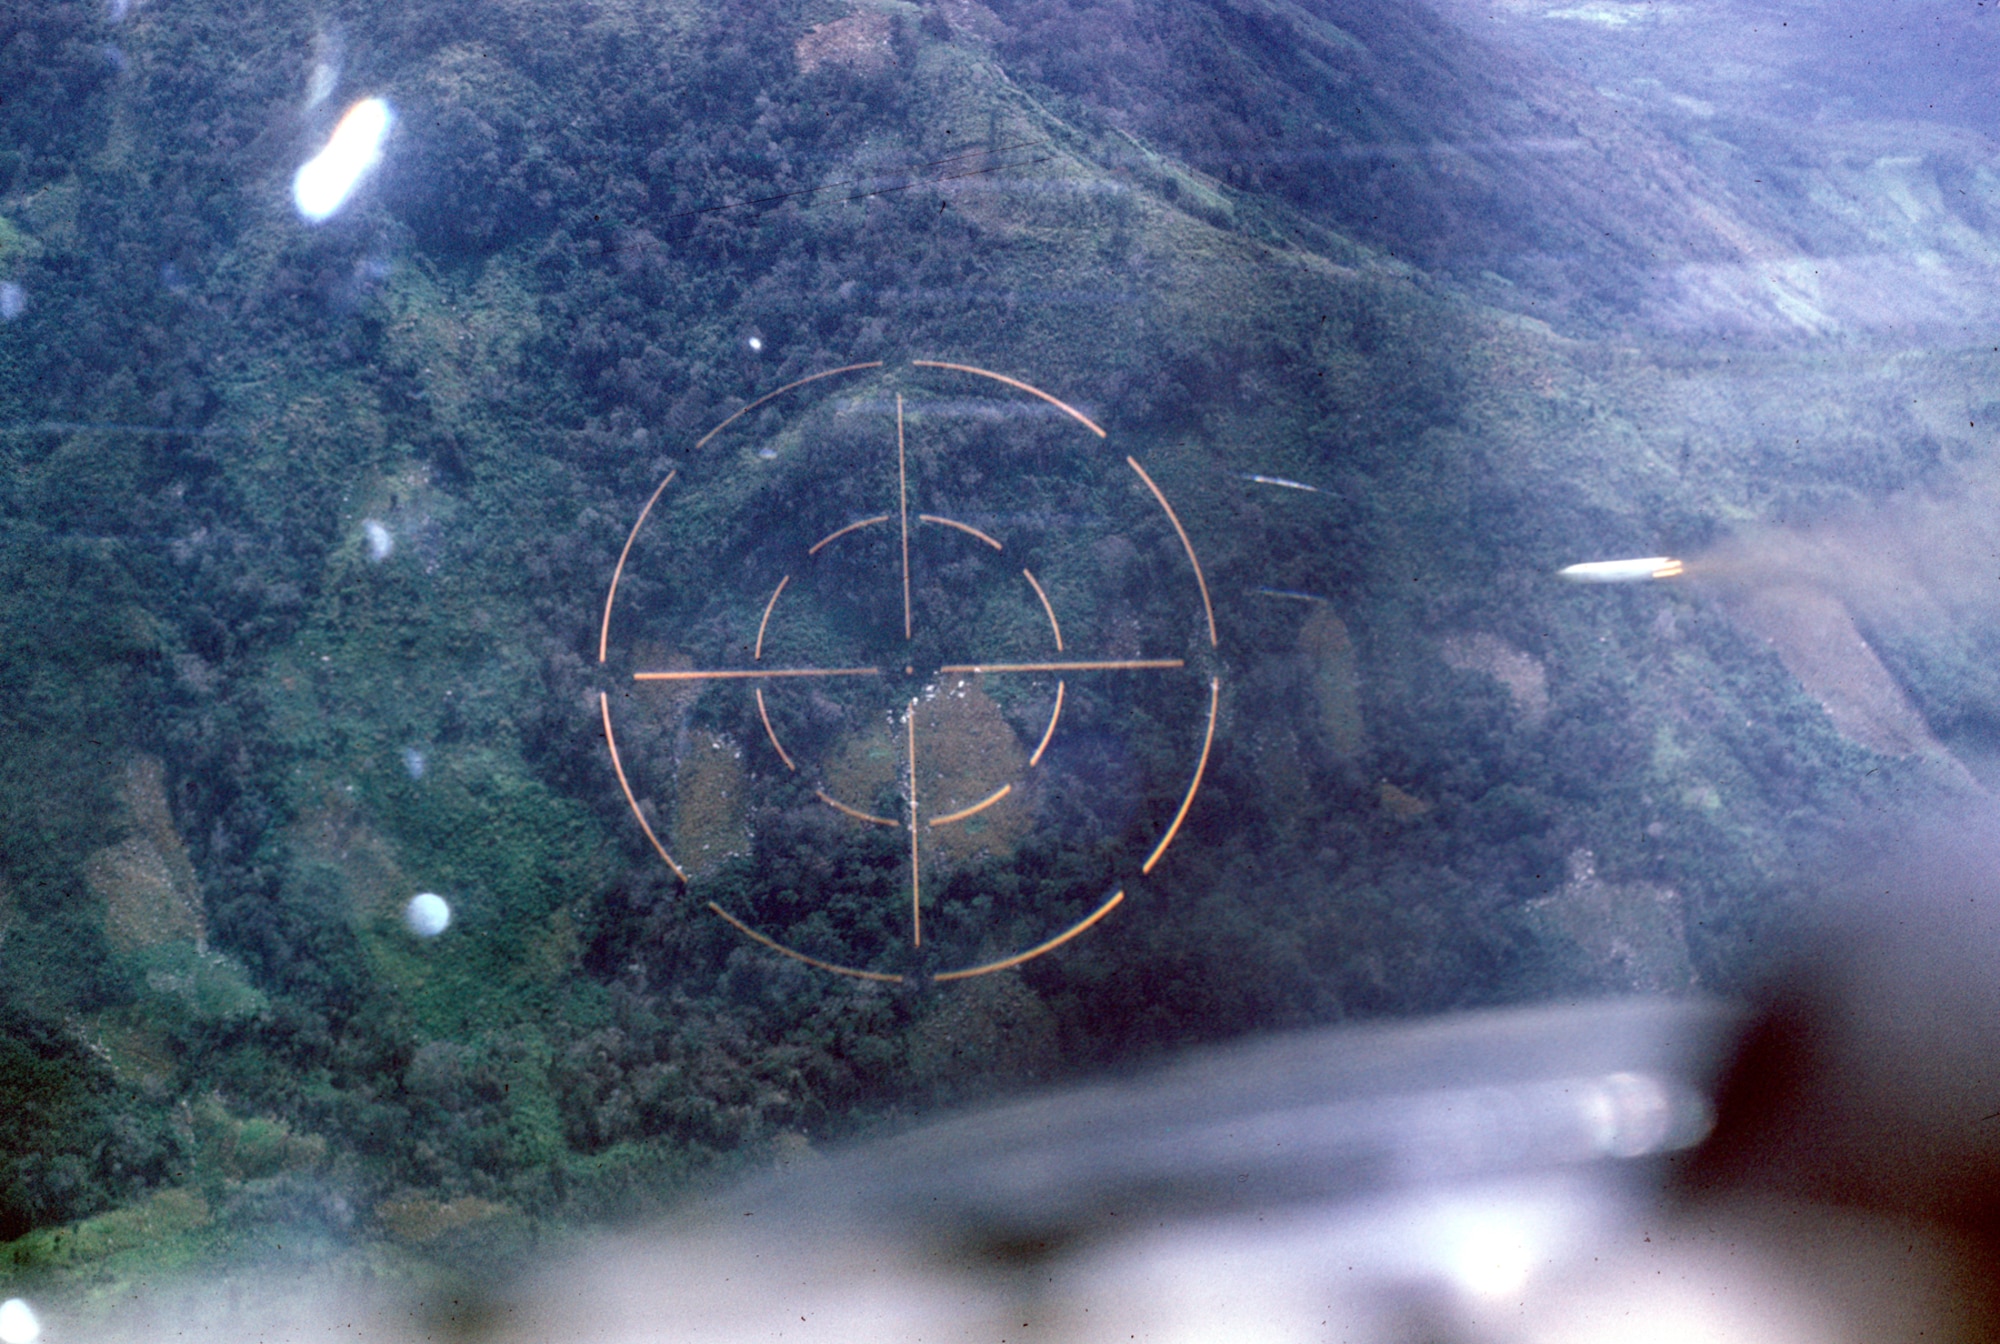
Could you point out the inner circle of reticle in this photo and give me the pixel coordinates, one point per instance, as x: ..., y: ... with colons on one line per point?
x: 760, y: 675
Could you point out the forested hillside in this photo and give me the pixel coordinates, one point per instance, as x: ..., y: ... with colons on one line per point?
x: 306, y: 532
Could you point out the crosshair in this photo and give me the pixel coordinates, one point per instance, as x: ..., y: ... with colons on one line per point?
x: 890, y: 649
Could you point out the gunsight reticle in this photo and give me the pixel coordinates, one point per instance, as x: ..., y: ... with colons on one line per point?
x: 906, y: 671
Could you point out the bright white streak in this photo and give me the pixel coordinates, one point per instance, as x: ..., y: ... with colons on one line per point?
x: 325, y: 181
x: 1622, y: 571
x: 1279, y: 481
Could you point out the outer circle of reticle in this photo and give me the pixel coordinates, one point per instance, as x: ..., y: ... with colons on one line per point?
x: 761, y: 674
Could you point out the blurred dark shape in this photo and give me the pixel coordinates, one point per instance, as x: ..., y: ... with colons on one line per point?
x: 1868, y: 1086
x: 1872, y: 1077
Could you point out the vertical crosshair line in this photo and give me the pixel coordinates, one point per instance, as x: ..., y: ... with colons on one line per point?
x: 903, y: 494
x: 916, y: 887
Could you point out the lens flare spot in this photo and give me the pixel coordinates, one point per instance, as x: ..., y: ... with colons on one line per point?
x: 1491, y: 1259
x: 17, y: 1322
x: 328, y: 178
x: 427, y: 914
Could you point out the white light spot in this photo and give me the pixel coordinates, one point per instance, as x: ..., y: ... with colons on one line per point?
x: 756, y: 344
x: 1628, y: 1115
x: 380, y: 542
x: 1491, y: 1259
x: 17, y: 1323
x: 13, y: 301
x: 768, y: 454
x: 427, y: 914
x: 413, y: 761
x: 325, y: 181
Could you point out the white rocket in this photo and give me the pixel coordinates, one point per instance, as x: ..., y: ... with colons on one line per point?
x: 1623, y: 571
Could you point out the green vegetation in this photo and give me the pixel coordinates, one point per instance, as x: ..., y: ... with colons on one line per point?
x: 530, y: 314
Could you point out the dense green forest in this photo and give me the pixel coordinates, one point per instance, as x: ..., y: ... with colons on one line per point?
x: 237, y: 738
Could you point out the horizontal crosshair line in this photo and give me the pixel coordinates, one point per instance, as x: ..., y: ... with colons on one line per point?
x: 1113, y: 665
x: 751, y: 674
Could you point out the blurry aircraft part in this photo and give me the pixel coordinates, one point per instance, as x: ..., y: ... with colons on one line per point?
x: 1754, y: 1274
x: 1622, y: 571
x: 1851, y: 1190
x: 1342, y: 1179
x: 1499, y: 1176
x: 1326, y: 1115
x: 1871, y: 1077
x: 1254, y: 1191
